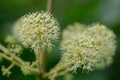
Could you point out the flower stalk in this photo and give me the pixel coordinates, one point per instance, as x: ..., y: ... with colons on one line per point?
x: 50, y: 5
x: 41, y: 63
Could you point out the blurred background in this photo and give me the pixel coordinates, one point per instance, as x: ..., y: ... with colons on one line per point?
x: 67, y: 12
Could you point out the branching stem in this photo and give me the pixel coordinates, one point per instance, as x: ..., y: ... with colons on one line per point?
x: 6, y: 54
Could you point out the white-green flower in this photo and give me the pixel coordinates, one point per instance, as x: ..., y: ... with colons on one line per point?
x: 80, y: 51
x: 87, y: 47
x: 105, y: 41
x: 37, y: 30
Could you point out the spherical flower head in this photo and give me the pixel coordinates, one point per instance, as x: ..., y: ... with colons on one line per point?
x: 37, y: 30
x: 88, y: 48
x: 105, y: 41
x: 79, y: 52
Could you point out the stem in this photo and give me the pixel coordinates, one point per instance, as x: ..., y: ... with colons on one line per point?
x: 41, y: 63
x: 10, y: 67
x: 41, y: 55
x: 6, y: 57
x: 50, y: 5
x: 14, y: 59
x: 59, y: 69
x: 8, y: 53
x: 3, y: 49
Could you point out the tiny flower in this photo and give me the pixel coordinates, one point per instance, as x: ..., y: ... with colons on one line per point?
x: 5, y: 71
x: 37, y: 30
x: 25, y: 68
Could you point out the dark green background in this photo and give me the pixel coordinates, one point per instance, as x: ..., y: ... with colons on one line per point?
x: 106, y: 12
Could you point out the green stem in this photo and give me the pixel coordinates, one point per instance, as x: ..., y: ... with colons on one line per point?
x: 8, y: 58
x: 14, y: 59
x: 5, y: 50
x: 59, y: 69
x: 50, y: 5
x: 41, y: 54
x: 41, y: 63
x: 8, y: 54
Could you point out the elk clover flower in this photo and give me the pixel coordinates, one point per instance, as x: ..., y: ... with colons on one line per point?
x: 80, y: 51
x: 87, y: 47
x: 37, y: 29
x: 106, y: 43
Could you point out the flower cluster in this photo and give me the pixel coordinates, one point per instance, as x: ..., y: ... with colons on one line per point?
x: 87, y: 47
x: 80, y: 51
x: 105, y: 41
x: 37, y: 29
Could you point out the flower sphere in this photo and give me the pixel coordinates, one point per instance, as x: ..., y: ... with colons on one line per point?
x: 37, y: 30
x: 79, y: 51
x: 87, y: 47
x: 105, y: 41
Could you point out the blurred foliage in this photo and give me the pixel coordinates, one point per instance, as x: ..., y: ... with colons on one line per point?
x: 67, y: 12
